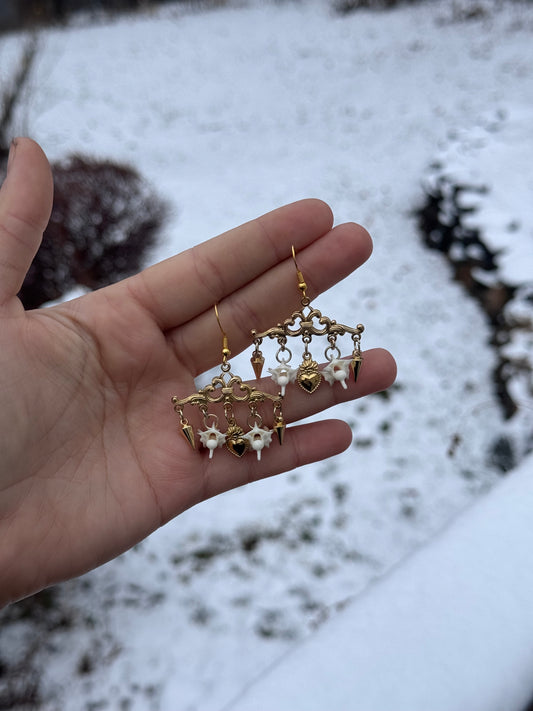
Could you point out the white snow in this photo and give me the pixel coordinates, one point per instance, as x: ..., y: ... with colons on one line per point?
x: 448, y: 630
x: 231, y: 112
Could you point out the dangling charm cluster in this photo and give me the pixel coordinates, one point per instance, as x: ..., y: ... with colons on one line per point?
x: 309, y: 322
x: 226, y: 392
x: 227, y: 395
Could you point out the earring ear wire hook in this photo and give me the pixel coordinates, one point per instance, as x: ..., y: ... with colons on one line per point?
x: 301, y: 281
x: 225, y: 347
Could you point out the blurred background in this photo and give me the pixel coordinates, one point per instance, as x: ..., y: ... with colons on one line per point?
x: 167, y: 123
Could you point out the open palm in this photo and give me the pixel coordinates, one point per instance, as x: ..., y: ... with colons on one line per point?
x: 91, y: 461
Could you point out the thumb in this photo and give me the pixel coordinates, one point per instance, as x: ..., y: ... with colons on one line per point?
x: 25, y: 207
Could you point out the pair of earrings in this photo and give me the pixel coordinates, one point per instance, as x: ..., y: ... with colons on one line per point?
x: 227, y: 391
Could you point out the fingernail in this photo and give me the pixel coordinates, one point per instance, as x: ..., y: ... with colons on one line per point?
x: 11, y: 156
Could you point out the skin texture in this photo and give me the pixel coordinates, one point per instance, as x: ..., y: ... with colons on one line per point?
x: 91, y: 460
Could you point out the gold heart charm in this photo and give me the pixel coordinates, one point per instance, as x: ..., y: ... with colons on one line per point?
x: 309, y: 377
x: 235, y: 442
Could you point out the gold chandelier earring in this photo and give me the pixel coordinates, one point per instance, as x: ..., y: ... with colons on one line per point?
x: 309, y: 322
x: 225, y: 394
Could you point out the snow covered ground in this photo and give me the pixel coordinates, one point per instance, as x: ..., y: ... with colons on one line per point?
x: 229, y: 113
x: 450, y: 629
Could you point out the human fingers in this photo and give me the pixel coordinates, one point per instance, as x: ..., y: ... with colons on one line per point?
x: 272, y: 297
x: 25, y: 206
x: 178, y: 289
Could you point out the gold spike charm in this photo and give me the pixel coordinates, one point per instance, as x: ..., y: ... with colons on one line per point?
x: 355, y: 365
x: 186, y: 429
x: 257, y: 360
x: 279, y: 428
x: 357, y: 358
x: 188, y: 432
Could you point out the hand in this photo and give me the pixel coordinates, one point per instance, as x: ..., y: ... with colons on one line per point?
x: 91, y: 457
